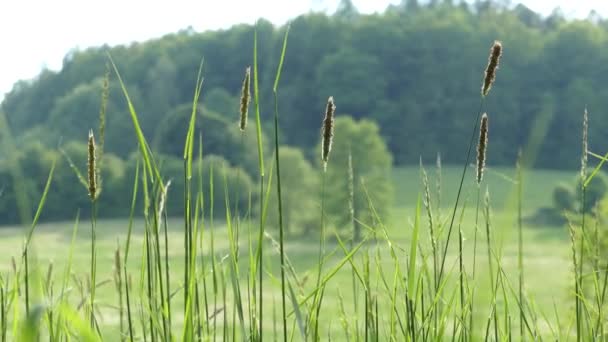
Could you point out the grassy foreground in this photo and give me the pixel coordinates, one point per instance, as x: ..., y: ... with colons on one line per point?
x: 546, y: 256
x: 451, y: 263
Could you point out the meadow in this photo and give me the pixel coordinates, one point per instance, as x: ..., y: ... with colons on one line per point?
x: 455, y: 259
x: 546, y: 253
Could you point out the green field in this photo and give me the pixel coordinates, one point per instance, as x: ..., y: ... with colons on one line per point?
x: 547, y: 254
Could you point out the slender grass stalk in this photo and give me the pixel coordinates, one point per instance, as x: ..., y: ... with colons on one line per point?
x: 429, y: 210
x: 214, y: 262
x: 576, y: 278
x: 438, y: 185
x: 147, y: 269
x: 321, y: 254
x: 490, y: 75
x: 520, y: 241
x: 493, y: 284
x: 30, y: 234
x: 151, y: 288
x: 260, y: 250
x: 127, y: 248
x: 189, y: 242
x: 432, y: 236
x: 356, y: 238
x: 195, y: 271
x: 222, y: 286
x: 462, y: 274
x: 278, y: 166
x: 579, y: 287
x: 326, y: 143
x: 472, y: 301
x: 596, y: 271
x: 50, y: 295
x: 3, y: 318
x: 458, y: 194
x: 167, y: 276
x: 118, y: 282
x: 598, y: 325
x: 27, y: 282
x: 128, y: 304
x: 201, y: 239
x: 158, y: 214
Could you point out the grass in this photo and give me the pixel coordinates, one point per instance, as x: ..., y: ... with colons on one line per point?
x: 547, y: 248
x: 194, y: 278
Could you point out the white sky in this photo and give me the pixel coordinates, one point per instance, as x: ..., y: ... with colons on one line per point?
x: 39, y: 33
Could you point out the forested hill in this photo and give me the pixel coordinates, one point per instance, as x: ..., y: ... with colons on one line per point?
x: 415, y: 70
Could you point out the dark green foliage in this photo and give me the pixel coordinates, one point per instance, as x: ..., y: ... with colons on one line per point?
x: 596, y: 190
x: 299, y: 195
x: 563, y: 198
x: 67, y: 194
x: 568, y: 199
x: 416, y: 64
x: 220, y: 131
x: 172, y: 169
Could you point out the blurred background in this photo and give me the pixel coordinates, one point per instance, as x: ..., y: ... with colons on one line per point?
x: 406, y: 78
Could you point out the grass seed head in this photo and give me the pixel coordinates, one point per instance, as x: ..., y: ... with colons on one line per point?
x: 117, y: 266
x: 14, y: 265
x: 245, y: 99
x: 49, y: 274
x: 351, y: 186
x: 328, y: 131
x: 92, y: 167
x: 427, y: 201
x: 585, y: 146
x: 493, y: 61
x: 482, y: 147
x: 163, y: 199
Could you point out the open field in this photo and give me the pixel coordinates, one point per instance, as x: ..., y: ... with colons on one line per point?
x: 547, y: 253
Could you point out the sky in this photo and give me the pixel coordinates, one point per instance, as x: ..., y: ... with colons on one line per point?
x: 37, y: 34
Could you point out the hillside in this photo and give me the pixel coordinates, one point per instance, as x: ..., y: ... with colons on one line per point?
x: 416, y: 71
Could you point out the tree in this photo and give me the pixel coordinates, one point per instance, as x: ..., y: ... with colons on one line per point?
x: 410, y: 5
x: 370, y: 183
x: 563, y: 198
x: 220, y: 132
x: 594, y: 192
x: 346, y: 10
x: 415, y: 64
x: 345, y: 74
x: 299, y: 192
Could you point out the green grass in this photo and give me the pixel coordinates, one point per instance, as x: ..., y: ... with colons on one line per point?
x: 193, y: 277
x: 546, y: 257
x: 196, y: 278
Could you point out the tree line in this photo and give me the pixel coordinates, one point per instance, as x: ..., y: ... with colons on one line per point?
x: 415, y: 70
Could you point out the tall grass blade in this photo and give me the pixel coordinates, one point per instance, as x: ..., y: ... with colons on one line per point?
x: 280, y: 204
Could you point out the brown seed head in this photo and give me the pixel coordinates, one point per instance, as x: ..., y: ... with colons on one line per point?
x: 493, y: 61
x: 328, y: 131
x: 92, y: 167
x: 482, y: 147
x: 245, y: 99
